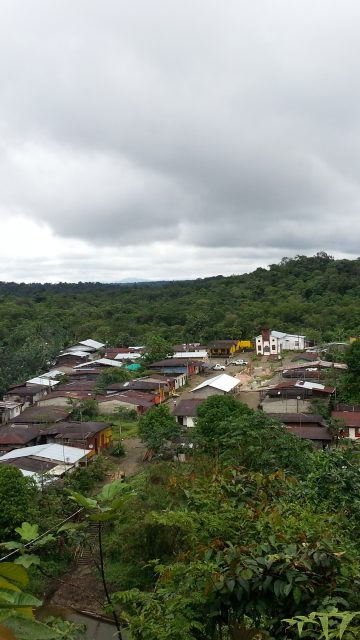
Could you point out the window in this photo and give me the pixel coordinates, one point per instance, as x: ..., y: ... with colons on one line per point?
x: 296, y: 343
x: 273, y: 347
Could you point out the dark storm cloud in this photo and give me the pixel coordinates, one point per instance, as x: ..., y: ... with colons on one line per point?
x: 187, y: 124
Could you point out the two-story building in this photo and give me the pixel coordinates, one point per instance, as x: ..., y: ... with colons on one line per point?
x: 275, y: 342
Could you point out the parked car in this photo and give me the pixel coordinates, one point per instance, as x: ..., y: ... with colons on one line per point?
x: 239, y: 362
x: 219, y: 367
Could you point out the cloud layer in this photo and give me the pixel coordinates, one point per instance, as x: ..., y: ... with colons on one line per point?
x: 179, y: 139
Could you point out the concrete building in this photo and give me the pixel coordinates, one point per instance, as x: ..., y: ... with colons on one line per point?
x: 275, y: 342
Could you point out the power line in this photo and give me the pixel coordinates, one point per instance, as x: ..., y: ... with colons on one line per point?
x: 42, y: 535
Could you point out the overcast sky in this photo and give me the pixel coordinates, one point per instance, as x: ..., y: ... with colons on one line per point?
x: 162, y: 139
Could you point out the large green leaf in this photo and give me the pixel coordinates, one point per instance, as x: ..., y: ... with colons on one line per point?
x: 28, y: 531
x: 111, y: 490
x: 11, y: 599
x: 13, y: 572
x: 88, y: 503
x: 26, y: 629
x: 27, y: 560
x: 12, y: 545
x: 5, y: 584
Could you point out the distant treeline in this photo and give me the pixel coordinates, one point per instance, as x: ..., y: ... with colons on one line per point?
x: 317, y: 296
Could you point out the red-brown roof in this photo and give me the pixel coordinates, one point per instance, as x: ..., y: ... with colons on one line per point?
x: 38, y: 414
x: 350, y: 418
x: 311, y: 433
x: 187, y: 407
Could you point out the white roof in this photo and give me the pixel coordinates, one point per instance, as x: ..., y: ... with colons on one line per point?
x: 44, y: 381
x: 92, y: 343
x: 309, y: 385
x: 91, y: 363
x: 54, y: 373
x: 107, y: 362
x: 76, y: 352
x: 56, y: 452
x: 81, y: 347
x: 127, y: 356
x: 190, y: 354
x: 222, y: 382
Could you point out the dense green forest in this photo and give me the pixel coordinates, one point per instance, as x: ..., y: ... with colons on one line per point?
x: 315, y: 295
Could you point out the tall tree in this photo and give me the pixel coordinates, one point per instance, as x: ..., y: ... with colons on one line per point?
x: 157, y: 426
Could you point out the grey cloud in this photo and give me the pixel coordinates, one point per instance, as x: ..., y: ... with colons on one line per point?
x: 200, y: 123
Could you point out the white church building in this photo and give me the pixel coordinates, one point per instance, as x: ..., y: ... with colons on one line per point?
x: 274, y: 342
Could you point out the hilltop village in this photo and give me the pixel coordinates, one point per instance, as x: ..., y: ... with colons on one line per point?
x: 46, y: 430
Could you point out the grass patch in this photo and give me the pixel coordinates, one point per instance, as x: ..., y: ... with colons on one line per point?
x: 122, y: 428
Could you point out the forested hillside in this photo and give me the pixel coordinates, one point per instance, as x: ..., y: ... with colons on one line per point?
x: 318, y: 296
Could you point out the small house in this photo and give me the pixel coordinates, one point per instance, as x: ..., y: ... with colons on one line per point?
x: 222, y: 384
x: 185, y: 411
x: 223, y: 348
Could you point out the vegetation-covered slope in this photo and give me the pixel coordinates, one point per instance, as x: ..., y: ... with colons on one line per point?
x: 318, y: 296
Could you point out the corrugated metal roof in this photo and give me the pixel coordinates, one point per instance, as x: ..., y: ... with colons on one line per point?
x: 54, y: 373
x: 76, y: 352
x: 350, y: 418
x: 223, y: 382
x: 105, y: 361
x: 127, y: 356
x: 311, y: 433
x: 92, y: 343
x: 57, y: 452
x: 307, y: 384
x: 187, y: 407
x: 43, y: 382
x: 191, y: 354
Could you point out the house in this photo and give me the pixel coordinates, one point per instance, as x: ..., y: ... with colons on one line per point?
x: 52, y: 460
x: 9, y: 410
x: 295, y: 420
x: 299, y: 389
x: 90, y: 346
x: 219, y: 385
x: 306, y: 426
x: 192, y: 355
x: 26, y: 395
x: 223, y: 348
x: 319, y: 436
x: 71, y: 358
x: 155, y: 388
x: 89, y: 435
x: 63, y: 398
x: 349, y: 421
x: 131, y: 400
x: 275, y: 342
x: 176, y: 365
x: 190, y: 346
x: 175, y: 380
x: 86, y: 387
x: 94, y: 436
x: 14, y: 436
x: 132, y: 356
x: 185, y: 411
